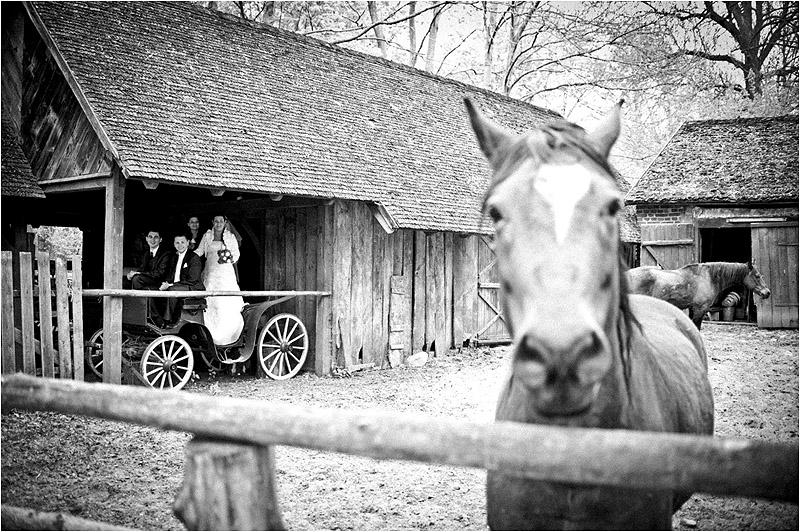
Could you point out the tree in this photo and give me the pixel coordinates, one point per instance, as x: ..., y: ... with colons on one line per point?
x: 764, y: 35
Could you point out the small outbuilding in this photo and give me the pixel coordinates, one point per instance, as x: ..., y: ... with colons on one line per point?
x: 727, y: 190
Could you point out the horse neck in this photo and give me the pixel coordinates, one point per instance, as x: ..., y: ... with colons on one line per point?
x: 725, y: 274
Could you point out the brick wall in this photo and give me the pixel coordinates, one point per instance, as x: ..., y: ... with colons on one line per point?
x: 651, y: 214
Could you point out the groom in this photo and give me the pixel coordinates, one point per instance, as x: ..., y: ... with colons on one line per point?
x: 183, y: 273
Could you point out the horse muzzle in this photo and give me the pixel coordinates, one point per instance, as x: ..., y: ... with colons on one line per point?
x: 562, y: 381
x: 764, y: 294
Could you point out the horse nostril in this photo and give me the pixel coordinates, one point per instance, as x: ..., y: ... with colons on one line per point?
x: 531, y: 351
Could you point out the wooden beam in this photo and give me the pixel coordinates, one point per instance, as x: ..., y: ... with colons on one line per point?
x: 15, y: 518
x: 112, y: 278
x: 612, y: 457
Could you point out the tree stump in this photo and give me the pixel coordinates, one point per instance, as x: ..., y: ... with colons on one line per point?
x: 228, y: 486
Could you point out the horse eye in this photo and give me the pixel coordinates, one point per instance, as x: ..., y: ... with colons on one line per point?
x: 613, y: 207
x: 494, y: 214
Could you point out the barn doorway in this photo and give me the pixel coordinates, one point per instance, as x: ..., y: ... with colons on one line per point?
x: 729, y: 244
x: 725, y: 244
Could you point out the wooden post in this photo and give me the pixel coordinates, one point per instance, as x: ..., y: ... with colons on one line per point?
x: 112, y: 264
x: 62, y: 319
x: 46, y: 315
x: 26, y: 311
x: 77, y: 318
x: 9, y: 356
x: 228, y: 486
x: 323, y: 346
x: 15, y: 518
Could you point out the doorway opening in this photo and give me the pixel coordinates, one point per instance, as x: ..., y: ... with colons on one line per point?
x: 729, y: 244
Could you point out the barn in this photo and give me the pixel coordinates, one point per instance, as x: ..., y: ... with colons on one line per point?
x: 726, y: 190
x: 343, y: 172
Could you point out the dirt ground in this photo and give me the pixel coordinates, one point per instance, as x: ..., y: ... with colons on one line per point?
x: 129, y: 475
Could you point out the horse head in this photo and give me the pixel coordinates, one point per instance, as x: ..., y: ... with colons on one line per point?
x: 553, y: 201
x: 755, y: 281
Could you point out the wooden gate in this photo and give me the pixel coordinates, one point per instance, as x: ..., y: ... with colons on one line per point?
x: 669, y: 246
x: 775, y: 254
x: 58, y: 350
x: 490, y: 325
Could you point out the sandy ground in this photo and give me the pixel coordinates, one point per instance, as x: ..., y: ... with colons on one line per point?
x: 129, y: 475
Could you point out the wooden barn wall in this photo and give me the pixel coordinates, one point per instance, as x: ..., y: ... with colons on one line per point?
x: 438, y: 276
x: 56, y: 135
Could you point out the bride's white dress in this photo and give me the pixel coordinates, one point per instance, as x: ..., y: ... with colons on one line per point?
x: 223, y: 317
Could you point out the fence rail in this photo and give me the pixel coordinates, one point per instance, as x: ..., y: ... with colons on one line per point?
x: 621, y: 458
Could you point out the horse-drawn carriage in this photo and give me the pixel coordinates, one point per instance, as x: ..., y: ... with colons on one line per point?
x: 166, y: 356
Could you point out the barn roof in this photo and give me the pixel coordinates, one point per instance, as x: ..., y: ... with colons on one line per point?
x: 192, y: 96
x: 743, y: 160
x: 17, y: 178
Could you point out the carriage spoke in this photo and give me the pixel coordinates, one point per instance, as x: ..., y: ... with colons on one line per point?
x: 271, y: 345
x: 274, y: 337
x: 148, y: 373
x: 285, y: 328
x: 296, y: 338
x: 171, y: 384
x: 294, y: 357
x: 272, y: 354
x: 179, y: 359
x: 293, y: 329
x: 272, y: 367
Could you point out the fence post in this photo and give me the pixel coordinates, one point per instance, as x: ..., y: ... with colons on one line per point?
x: 77, y: 318
x: 26, y: 312
x: 7, y: 301
x: 62, y: 317
x: 46, y: 314
x: 228, y: 486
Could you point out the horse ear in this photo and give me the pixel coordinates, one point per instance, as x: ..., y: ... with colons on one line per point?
x: 607, y: 131
x: 490, y: 137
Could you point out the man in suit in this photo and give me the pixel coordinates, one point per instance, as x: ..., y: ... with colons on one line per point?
x: 183, y: 273
x: 149, y: 273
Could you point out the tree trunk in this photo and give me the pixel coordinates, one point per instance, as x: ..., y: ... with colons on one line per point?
x: 412, y: 34
x: 430, y: 56
x: 228, y: 486
x: 379, y: 36
x: 489, y: 27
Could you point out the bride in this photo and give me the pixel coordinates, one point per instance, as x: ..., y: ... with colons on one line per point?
x: 224, y: 313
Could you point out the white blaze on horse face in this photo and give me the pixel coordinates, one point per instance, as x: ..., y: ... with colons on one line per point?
x: 563, y: 186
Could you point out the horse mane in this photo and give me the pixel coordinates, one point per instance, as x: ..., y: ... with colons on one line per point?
x: 723, y: 274
x: 543, y: 145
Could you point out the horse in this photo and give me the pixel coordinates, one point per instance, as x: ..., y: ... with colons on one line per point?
x: 696, y: 286
x: 584, y: 352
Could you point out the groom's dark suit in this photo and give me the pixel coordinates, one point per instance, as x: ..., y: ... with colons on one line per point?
x: 151, y: 269
x: 191, y: 269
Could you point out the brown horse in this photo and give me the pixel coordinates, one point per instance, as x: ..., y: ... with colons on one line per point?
x: 584, y: 353
x: 695, y: 286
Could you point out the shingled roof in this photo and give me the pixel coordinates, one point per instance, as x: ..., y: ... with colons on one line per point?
x: 743, y: 160
x: 192, y: 96
x: 17, y: 178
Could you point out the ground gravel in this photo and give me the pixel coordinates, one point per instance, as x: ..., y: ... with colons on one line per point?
x: 129, y: 475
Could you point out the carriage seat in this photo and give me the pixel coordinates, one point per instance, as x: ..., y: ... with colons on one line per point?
x: 194, y: 304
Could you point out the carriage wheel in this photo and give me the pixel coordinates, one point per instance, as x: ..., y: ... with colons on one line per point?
x: 283, y: 346
x: 167, y: 362
x: 93, y: 353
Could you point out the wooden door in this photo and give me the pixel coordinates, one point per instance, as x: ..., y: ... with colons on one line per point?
x: 775, y: 255
x: 669, y: 246
x: 490, y: 324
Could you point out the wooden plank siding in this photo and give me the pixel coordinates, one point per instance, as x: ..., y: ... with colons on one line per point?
x: 40, y: 102
x: 670, y: 245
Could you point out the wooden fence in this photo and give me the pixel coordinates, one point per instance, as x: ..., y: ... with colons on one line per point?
x: 28, y: 293
x: 229, y: 481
